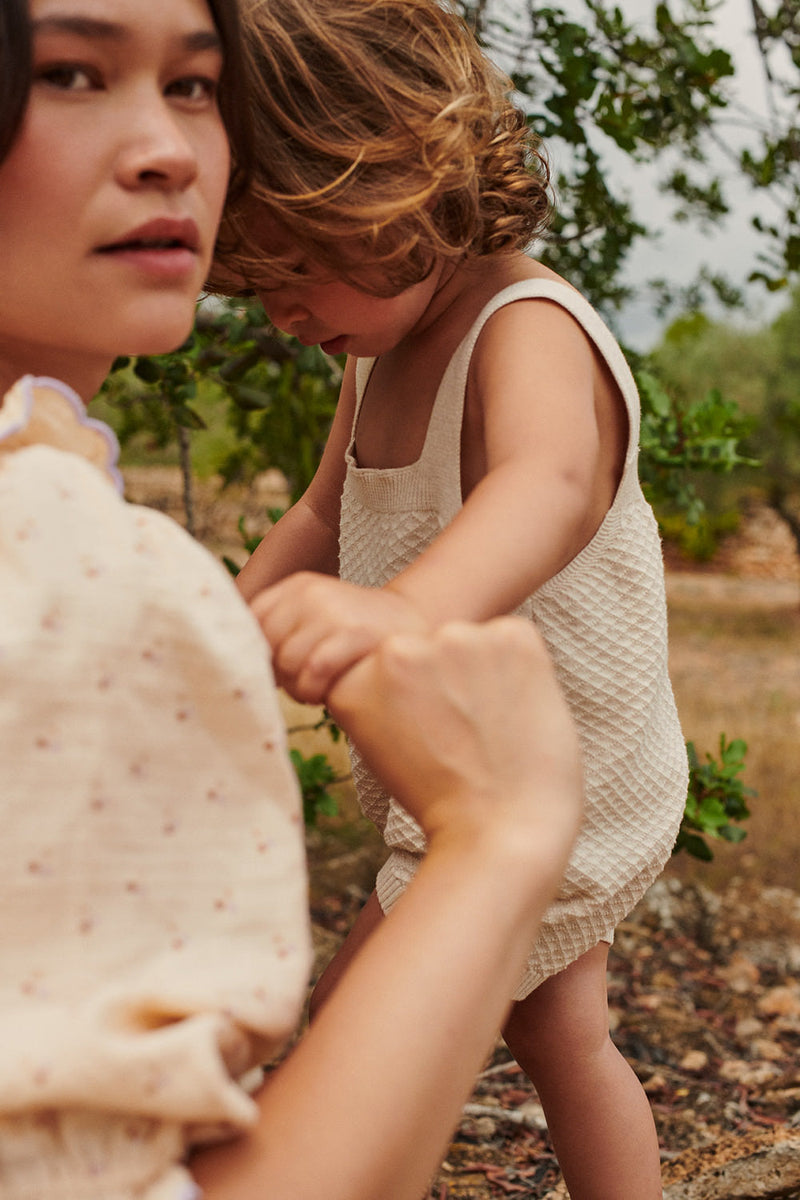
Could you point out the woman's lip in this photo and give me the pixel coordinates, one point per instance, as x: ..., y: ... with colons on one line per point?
x: 171, y: 232
x: 165, y: 248
x: 160, y: 262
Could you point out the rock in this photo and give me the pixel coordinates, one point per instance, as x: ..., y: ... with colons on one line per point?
x: 747, y: 1028
x: 766, y: 1048
x: 748, y: 1074
x: 694, y: 1060
x: 783, y: 1001
x: 741, y: 974
x: 533, y: 1115
x: 754, y: 1166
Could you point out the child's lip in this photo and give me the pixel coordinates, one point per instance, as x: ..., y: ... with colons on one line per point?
x: 334, y: 345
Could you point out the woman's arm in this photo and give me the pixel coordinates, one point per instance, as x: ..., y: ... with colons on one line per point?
x: 469, y: 730
x: 306, y: 538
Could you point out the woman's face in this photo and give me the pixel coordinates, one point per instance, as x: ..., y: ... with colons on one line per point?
x: 111, y: 194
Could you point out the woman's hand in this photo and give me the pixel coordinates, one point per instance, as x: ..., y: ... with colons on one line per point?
x: 466, y: 726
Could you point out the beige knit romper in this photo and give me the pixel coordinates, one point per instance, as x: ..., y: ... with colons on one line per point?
x: 604, y: 620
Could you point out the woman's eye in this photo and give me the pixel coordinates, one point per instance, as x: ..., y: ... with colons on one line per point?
x: 197, y: 89
x: 67, y: 77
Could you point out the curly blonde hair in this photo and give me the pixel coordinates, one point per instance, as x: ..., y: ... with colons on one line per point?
x: 384, y: 138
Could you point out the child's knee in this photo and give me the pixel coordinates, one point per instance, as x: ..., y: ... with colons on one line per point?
x: 567, y: 1016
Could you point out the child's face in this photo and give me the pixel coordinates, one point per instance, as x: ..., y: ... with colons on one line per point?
x: 336, y: 315
x: 111, y: 195
x: 343, y: 320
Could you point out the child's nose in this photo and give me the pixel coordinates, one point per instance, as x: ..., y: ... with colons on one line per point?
x: 285, y: 309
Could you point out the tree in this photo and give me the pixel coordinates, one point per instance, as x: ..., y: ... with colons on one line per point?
x: 595, y: 84
x: 278, y: 397
x: 778, y: 434
x: 760, y: 369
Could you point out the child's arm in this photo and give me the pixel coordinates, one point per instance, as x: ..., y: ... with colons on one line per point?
x: 306, y: 538
x: 550, y: 449
x: 469, y: 729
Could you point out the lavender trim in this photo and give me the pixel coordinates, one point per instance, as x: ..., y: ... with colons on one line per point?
x: 29, y: 382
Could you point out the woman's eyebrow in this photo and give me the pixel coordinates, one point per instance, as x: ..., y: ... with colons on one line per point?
x: 93, y: 27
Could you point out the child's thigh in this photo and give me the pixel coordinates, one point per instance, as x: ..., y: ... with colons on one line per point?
x: 365, y: 923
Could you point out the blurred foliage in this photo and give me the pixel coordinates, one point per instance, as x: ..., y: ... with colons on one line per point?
x: 275, y: 397
x: 717, y: 797
x: 315, y: 773
x: 316, y: 776
x: 760, y: 370
x: 683, y: 439
x: 699, y: 540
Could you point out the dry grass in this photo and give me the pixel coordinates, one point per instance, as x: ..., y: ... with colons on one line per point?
x: 735, y: 665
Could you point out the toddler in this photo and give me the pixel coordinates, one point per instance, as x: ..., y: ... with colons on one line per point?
x: 482, y: 460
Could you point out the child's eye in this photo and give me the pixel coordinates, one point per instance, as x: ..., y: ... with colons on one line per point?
x: 197, y: 89
x: 67, y: 77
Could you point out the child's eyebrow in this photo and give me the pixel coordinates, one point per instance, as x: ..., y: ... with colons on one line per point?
x: 92, y: 27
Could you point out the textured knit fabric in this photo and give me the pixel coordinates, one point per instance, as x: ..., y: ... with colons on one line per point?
x: 604, y: 620
x: 153, y: 923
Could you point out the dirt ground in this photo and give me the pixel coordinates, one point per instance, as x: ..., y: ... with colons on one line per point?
x: 704, y: 978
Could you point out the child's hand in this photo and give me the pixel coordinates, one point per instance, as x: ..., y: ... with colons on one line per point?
x: 319, y: 627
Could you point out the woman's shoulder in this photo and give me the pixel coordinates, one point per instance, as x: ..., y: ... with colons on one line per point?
x: 56, y: 505
x: 41, y: 411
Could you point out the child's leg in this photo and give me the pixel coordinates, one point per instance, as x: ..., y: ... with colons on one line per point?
x: 370, y: 916
x: 597, y: 1113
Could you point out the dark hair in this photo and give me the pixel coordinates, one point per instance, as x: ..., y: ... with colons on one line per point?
x: 234, y: 93
x: 15, y: 79
x: 15, y: 69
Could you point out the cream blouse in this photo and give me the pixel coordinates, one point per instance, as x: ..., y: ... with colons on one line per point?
x: 153, y: 926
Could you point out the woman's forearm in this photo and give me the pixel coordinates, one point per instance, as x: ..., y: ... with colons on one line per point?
x: 364, y: 1107
x: 471, y: 734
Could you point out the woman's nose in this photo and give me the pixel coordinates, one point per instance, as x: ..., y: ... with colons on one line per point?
x: 158, y: 151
